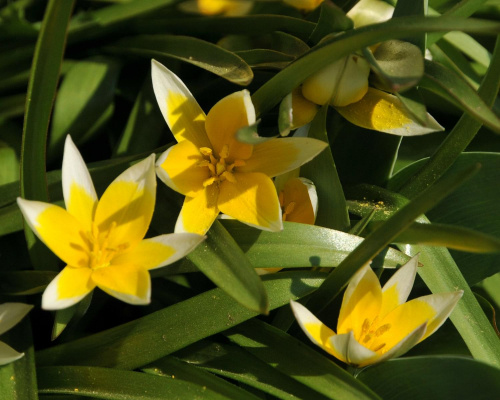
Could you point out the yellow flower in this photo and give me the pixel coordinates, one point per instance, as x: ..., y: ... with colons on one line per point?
x: 101, y: 241
x: 216, y: 7
x: 376, y: 323
x: 299, y: 201
x: 305, y: 5
x: 10, y: 315
x: 215, y: 171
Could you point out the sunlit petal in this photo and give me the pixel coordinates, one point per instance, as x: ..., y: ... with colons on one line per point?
x: 126, y: 207
x: 69, y: 287
x: 198, y: 213
x: 78, y: 189
x: 225, y: 118
x: 384, y: 112
x: 184, y: 116
x: 226, y: 7
x: 277, y: 156
x: 367, y: 12
x: 8, y: 354
x: 397, y: 289
x: 252, y: 199
x: 126, y: 282
x: 58, y: 229
x: 11, y: 314
x: 179, y: 169
x: 160, y: 250
x: 350, y: 351
x: 362, y: 300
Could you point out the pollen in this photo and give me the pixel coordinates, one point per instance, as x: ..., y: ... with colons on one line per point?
x: 100, y: 252
x: 220, y: 169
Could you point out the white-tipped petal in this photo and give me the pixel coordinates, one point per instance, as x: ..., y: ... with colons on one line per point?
x: 182, y: 113
x: 352, y: 352
x: 313, y: 195
x: 8, y: 354
x: 69, y: 287
x: 398, y: 287
x: 311, y: 325
x: 384, y: 112
x: 443, y: 304
x: 78, y: 189
x: 11, y: 314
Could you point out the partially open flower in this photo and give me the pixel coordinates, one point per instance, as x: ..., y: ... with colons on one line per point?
x: 339, y: 84
x: 376, y: 323
x: 101, y: 241
x: 11, y: 314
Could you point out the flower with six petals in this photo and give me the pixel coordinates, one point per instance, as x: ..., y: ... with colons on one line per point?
x: 215, y: 171
x: 10, y: 315
x: 377, y: 323
x: 101, y: 241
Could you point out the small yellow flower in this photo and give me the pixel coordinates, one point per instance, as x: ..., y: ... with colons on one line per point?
x: 216, y: 7
x: 101, y: 241
x: 376, y: 323
x: 304, y: 5
x: 10, y: 315
x: 215, y: 171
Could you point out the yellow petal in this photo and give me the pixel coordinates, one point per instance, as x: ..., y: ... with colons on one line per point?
x: 278, y: 156
x: 306, y: 5
x: 160, y: 250
x: 296, y: 193
x: 362, y: 300
x: 58, y: 229
x: 303, y: 110
x: 126, y: 207
x: 384, y: 112
x: 178, y: 168
x: 182, y: 113
x: 198, y: 213
x: 126, y: 282
x: 225, y: 118
x: 228, y: 7
x: 351, y: 351
x: 78, y: 190
x: 367, y: 12
x: 69, y: 287
x: 252, y: 199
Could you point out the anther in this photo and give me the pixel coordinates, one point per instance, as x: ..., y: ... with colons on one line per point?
x: 383, y: 329
x: 206, y: 151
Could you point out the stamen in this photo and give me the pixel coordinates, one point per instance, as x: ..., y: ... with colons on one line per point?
x: 206, y: 151
x: 228, y: 176
x: 365, y: 327
x: 203, y: 163
x: 281, y: 198
x: 209, y: 181
x: 367, y: 337
x: 383, y: 329
x: 290, y: 207
x: 380, y: 347
x: 224, y: 153
x: 220, y: 168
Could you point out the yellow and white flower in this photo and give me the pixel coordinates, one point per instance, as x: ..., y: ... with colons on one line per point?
x: 101, y: 241
x: 10, y: 315
x: 376, y: 323
x: 215, y: 171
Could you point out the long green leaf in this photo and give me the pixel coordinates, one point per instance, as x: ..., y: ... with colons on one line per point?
x: 221, y: 260
x: 300, y: 362
x: 194, y: 51
x: 341, y: 45
x: 146, y: 339
x: 433, y: 378
x: 384, y: 235
x: 41, y: 91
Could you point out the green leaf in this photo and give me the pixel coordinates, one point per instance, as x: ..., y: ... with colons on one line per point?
x: 86, y: 91
x: 12, y: 106
x: 18, y: 380
x: 41, y: 92
x: 10, y: 164
x: 149, y: 338
x: 285, y: 115
x: 432, y: 378
x: 474, y: 206
x: 341, y: 45
x: 384, y: 235
x: 452, y: 87
x: 194, y: 51
x: 458, y: 139
x: 172, y: 368
x: 223, y: 262
x: 265, y: 59
x: 233, y: 362
x: 293, y: 358
x: 65, y: 316
x: 413, y: 8
x: 331, y: 19
x: 301, y: 245
x: 112, y: 384
x: 412, y: 101
x: 332, y: 208
x: 25, y: 282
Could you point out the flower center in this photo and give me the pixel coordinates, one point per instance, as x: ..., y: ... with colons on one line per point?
x: 286, y: 209
x: 371, y: 331
x: 219, y: 169
x: 101, y: 253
